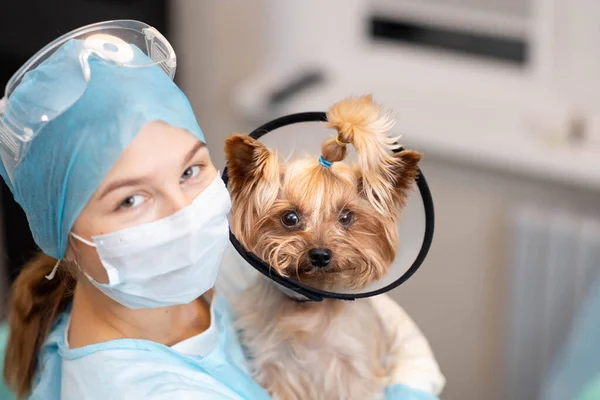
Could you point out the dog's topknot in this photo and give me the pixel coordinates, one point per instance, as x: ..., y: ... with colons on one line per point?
x: 363, y: 124
x: 360, y: 122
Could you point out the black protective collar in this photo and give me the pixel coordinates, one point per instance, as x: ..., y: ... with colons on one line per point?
x: 313, y: 293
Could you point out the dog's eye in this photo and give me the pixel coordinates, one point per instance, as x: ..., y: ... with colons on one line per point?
x: 290, y: 219
x: 346, y: 218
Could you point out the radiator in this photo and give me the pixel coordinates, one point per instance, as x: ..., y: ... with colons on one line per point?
x: 555, y: 255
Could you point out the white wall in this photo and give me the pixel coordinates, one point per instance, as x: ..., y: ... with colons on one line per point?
x: 459, y: 298
x: 218, y: 43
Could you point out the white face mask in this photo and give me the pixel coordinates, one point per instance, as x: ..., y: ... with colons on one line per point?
x: 171, y: 261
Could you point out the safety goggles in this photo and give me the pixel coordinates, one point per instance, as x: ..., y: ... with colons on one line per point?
x: 125, y: 43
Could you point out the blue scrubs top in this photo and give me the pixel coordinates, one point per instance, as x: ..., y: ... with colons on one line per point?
x: 197, y: 368
x: 141, y: 369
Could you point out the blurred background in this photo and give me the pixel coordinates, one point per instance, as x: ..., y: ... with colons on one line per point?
x: 500, y: 95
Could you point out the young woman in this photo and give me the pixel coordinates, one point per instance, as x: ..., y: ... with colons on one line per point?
x: 117, y: 184
x: 103, y: 153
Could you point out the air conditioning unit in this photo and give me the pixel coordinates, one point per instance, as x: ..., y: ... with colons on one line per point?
x: 512, y: 83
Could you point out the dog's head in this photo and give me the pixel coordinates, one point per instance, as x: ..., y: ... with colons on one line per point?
x: 327, y: 227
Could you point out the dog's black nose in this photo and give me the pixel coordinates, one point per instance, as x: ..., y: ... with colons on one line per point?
x: 320, y: 257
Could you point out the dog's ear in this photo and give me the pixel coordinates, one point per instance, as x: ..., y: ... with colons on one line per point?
x: 249, y: 162
x: 385, y: 179
x: 405, y: 172
x: 388, y: 188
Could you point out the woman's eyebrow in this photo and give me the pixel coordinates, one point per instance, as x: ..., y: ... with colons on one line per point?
x: 199, y: 145
x: 120, y: 183
x: 137, y: 181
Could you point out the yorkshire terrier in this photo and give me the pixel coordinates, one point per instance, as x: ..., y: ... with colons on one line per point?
x: 329, y: 225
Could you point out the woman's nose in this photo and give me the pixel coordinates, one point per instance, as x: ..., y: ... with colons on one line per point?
x: 174, y: 201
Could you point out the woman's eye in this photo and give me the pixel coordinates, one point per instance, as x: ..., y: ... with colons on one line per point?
x: 190, y: 173
x: 290, y: 219
x: 346, y: 218
x: 132, y: 201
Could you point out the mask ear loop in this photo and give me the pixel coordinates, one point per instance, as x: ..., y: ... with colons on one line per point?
x: 76, y: 236
x: 52, y: 274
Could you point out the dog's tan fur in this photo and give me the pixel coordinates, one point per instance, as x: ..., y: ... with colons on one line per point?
x: 332, y: 349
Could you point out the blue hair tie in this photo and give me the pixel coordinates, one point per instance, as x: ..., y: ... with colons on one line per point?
x: 324, y: 162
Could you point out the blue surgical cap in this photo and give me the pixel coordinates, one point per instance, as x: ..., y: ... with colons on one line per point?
x: 72, y: 154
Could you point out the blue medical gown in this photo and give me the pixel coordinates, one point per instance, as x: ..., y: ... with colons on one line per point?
x: 141, y: 369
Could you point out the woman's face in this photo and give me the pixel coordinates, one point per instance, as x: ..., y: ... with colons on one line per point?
x: 162, y: 171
